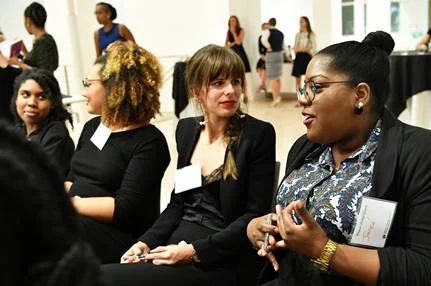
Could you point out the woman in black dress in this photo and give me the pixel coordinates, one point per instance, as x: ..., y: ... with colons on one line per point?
x: 234, y: 39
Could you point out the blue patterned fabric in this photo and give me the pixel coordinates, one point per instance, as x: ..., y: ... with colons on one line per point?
x: 333, y: 198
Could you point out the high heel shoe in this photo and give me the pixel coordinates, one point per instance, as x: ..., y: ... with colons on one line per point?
x: 276, y: 102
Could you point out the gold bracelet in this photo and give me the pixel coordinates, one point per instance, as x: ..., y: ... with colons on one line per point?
x: 328, y: 252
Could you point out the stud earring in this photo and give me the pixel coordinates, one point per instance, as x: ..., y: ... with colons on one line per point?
x: 359, y: 108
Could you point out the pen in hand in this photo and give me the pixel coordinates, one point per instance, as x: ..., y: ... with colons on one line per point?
x: 140, y: 257
x: 266, y: 237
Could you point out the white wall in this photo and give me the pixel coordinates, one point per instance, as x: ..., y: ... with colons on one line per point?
x: 171, y: 27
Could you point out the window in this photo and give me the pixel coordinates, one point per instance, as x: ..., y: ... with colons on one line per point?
x: 395, y: 16
x: 365, y: 17
x: 347, y: 16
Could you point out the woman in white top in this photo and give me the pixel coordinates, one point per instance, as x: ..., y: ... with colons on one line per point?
x: 304, y: 48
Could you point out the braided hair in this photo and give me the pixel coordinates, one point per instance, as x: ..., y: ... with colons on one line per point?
x: 206, y: 65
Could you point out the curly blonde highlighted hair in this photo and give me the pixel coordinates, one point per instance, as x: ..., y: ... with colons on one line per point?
x: 132, y: 77
x: 206, y: 65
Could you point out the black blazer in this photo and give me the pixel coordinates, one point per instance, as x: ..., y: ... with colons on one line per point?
x: 402, y: 173
x: 241, y: 200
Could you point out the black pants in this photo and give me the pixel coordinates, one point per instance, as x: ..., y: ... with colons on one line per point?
x: 108, y: 242
x: 179, y: 275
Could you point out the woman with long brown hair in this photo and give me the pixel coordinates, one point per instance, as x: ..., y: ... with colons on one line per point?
x: 200, y: 238
x: 234, y: 39
x: 304, y: 48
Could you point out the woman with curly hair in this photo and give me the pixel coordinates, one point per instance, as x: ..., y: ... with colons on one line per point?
x: 120, y: 159
x: 41, y: 243
x: 40, y: 115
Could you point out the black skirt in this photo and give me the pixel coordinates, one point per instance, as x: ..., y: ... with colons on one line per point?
x: 260, y: 64
x: 300, y: 64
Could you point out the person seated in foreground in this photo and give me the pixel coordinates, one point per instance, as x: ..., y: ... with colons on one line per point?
x: 356, y: 168
x: 118, y: 166
x: 200, y: 238
x: 41, y: 242
x: 40, y: 115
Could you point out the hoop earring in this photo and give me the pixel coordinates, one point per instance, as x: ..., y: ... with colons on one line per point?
x: 359, y: 108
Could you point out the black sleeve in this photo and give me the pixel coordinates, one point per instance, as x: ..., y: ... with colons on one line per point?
x: 259, y: 188
x: 58, y: 144
x: 429, y: 32
x: 140, y: 185
x: 410, y: 262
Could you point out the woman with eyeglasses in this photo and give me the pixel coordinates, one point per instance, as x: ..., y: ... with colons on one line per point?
x: 353, y: 207
x: 120, y: 159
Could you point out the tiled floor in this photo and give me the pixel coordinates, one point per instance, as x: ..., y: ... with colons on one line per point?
x: 285, y: 118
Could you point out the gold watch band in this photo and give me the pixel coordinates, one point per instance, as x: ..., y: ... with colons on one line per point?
x: 323, y: 261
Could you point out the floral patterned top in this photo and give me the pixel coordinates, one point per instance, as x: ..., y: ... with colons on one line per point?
x: 333, y: 198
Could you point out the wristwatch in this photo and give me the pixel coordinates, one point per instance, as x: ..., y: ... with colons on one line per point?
x: 322, y: 262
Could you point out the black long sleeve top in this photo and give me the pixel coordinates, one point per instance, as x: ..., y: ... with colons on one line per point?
x: 129, y: 168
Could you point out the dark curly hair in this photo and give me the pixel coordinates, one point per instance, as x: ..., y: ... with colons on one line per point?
x: 50, y: 86
x: 41, y: 239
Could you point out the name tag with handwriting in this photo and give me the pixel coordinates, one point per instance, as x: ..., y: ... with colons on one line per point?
x: 373, y: 222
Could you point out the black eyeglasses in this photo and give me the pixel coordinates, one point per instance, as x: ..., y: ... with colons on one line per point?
x: 302, y: 94
x: 87, y: 82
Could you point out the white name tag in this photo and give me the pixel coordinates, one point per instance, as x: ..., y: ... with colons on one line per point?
x: 101, y: 136
x: 373, y: 222
x: 188, y: 178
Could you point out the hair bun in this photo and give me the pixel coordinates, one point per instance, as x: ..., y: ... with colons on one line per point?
x: 380, y: 40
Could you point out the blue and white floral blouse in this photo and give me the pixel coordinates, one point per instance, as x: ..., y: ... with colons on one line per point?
x: 333, y: 198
